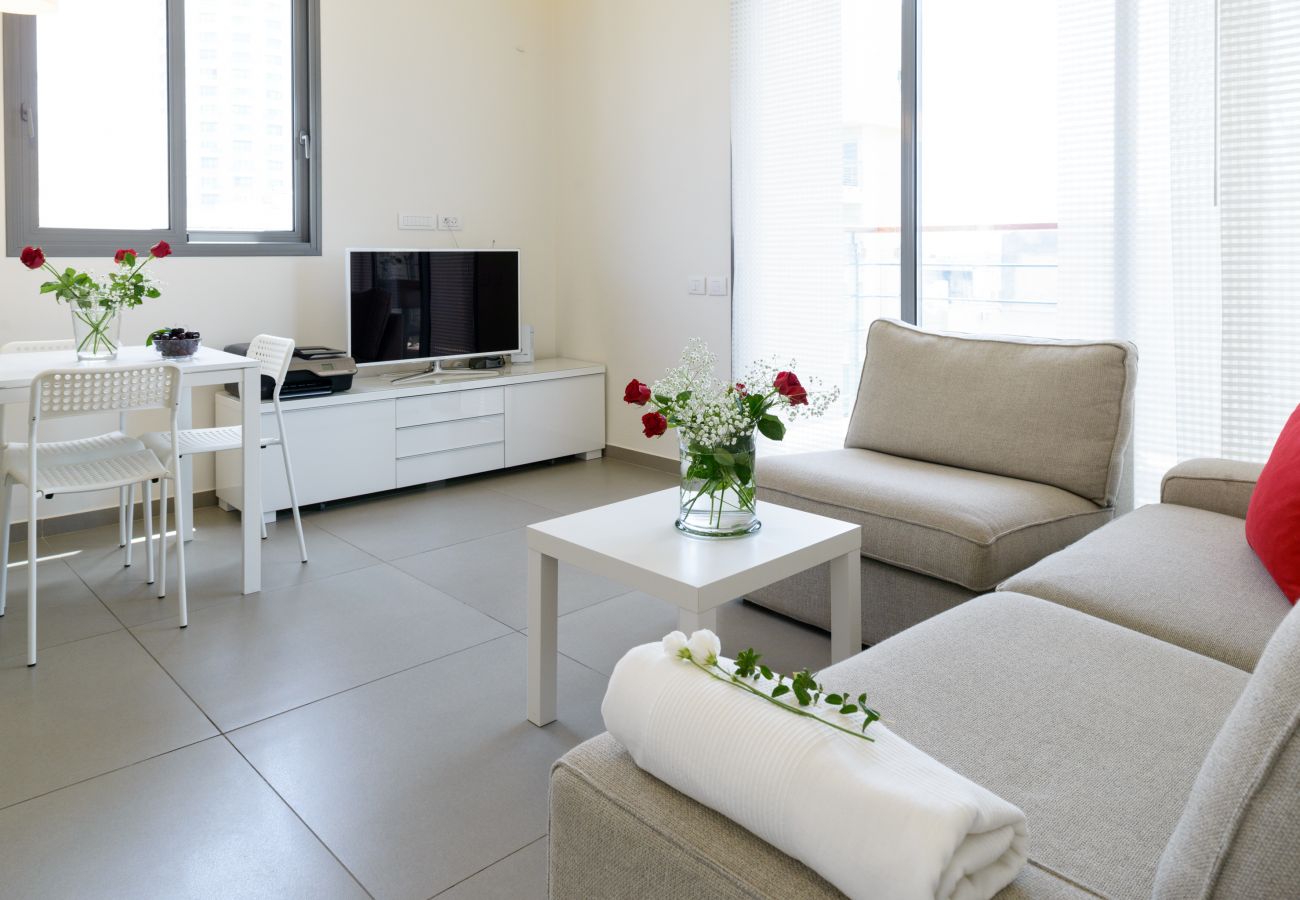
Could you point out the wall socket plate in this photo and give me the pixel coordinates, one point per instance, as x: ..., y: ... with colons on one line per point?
x: 695, y: 284
x: 417, y: 221
x: 717, y: 286
x: 449, y: 223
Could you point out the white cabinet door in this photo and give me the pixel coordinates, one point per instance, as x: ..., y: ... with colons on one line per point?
x: 338, y: 451
x: 549, y: 419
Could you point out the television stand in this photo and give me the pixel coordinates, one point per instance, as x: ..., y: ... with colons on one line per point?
x: 436, y: 370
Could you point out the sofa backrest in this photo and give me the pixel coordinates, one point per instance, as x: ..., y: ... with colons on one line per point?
x: 1239, y: 833
x: 1055, y: 412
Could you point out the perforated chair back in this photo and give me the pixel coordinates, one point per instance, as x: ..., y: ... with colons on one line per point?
x: 275, y: 354
x: 62, y: 393
x: 38, y: 346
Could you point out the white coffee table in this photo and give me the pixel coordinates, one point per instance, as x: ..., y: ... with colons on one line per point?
x: 635, y: 542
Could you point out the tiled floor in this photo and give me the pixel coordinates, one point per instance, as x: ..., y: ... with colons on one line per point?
x: 357, y: 729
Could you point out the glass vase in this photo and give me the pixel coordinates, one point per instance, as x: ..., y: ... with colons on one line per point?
x: 717, y: 489
x: 96, y: 331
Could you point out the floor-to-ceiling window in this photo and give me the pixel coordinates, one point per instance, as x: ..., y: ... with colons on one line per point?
x: 1122, y: 169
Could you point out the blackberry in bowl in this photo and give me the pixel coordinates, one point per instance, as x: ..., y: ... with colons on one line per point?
x: 174, y: 343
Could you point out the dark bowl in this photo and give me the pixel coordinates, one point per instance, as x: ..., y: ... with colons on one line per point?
x: 177, y: 348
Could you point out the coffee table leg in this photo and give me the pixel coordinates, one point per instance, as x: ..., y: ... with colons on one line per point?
x: 690, y: 621
x: 846, y: 606
x: 543, y: 623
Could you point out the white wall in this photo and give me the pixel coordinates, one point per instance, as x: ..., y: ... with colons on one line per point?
x: 439, y: 106
x: 644, y: 185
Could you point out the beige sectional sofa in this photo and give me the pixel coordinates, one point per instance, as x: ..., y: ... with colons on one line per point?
x: 1137, y: 694
x: 967, y: 459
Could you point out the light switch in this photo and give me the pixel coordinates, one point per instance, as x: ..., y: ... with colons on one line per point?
x: 717, y: 286
x: 695, y: 284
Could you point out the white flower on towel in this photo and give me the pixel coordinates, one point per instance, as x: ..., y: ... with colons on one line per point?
x: 704, y: 646
x: 675, y: 645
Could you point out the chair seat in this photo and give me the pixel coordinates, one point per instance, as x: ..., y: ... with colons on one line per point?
x: 197, y: 440
x: 969, y: 528
x: 67, y: 471
x: 1180, y: 574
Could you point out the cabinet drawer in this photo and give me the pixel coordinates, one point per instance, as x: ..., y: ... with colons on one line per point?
x: 449, y: 464
x: 419, y: 439
x: 445, y: 407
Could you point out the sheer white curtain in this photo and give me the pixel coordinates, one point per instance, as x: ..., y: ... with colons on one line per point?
x: 1176, y: 186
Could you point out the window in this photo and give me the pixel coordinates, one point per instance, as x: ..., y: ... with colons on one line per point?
x: 86, y: 173
x: 1069, y: 170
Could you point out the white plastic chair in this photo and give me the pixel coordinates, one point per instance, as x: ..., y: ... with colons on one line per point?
x: 68, y: 467
x: 112, y: 442
x: 275, y: 354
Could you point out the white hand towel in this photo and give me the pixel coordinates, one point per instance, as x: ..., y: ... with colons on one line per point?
x: 879, y: 820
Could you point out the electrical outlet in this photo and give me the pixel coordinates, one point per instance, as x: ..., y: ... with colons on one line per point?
x: 695, y: 284
x: 417, y: 221
x: 449, y: 223
x: 717, y: 286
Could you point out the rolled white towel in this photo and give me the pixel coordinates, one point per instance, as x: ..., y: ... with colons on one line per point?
x: 880, y: 820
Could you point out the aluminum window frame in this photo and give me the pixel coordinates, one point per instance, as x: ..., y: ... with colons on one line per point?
x: 22, y: 135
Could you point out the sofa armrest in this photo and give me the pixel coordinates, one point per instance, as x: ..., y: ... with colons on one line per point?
x: 1218, y: 485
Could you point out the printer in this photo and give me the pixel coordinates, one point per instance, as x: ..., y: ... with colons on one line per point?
x: 313, y: 372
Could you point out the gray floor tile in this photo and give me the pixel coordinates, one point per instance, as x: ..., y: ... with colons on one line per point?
x: 212, y: 562
x: 66, y: 610
x: 575, y: 485
x: 491, y: 574
x: 408, y: 523
x: 420, y: 780
x: 87, y: 708
x: 520, y: 876
x: 599, y: 635
x: 198, y: 822
x: 268, y: 652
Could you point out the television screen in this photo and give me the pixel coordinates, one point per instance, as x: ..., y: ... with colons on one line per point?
x: 432, y: 304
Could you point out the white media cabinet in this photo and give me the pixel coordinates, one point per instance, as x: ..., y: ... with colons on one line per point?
x: 379, y: 436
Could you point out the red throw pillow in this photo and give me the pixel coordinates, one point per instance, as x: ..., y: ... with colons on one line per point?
x: 1273, y: 519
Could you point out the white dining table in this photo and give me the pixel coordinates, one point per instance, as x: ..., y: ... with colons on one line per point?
x: 207, y: 366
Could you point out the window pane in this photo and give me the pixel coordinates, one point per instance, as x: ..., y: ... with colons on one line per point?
x: 988, y: 122
x: 102, y: 115
x: 816, y: 110
x: 239, y: 103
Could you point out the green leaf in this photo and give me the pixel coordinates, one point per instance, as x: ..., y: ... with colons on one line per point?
x: 724, y: 457
x: 663, y: 400
x: 848, y: 708
x: 153, y: 293
x: 767, y: 673
x: 771, y: 427
x: 683, y: 396
x: 780, y: 690
x: 834, y: 699
x: 50, y: 286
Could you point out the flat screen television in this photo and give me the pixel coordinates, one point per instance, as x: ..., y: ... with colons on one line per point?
x: 429, y: 305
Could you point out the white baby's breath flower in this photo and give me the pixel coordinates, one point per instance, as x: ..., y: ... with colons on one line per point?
x: 704, y: 646
x: 675, y: 644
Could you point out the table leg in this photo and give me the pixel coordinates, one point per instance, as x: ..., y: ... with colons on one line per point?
x: 688, y: 621
x: 846, y: 606
x: 250, y: 407
x: 185, y: 421
x: 543, y: 625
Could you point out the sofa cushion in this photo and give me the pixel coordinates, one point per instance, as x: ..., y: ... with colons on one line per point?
x: 969, y: 528
x: 1273, y: 519
x: 1095, y: 731
x: 1218, y: 485
x: 1056, y: 412
x: 1180, y: 574
x: 1239, y: 833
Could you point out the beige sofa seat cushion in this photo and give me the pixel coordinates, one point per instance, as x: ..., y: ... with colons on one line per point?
x: 1095, y: 731
x: 1056, y: 412
x: 969, y: 528
x: 1183, y: 575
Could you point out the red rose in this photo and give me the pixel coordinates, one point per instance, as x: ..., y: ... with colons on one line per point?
x: 161, y: 249
x: 121, y: 255
x: 636, y: 392
x: 32, y: 257
x: 788, y: 386
x: 654, y: 424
